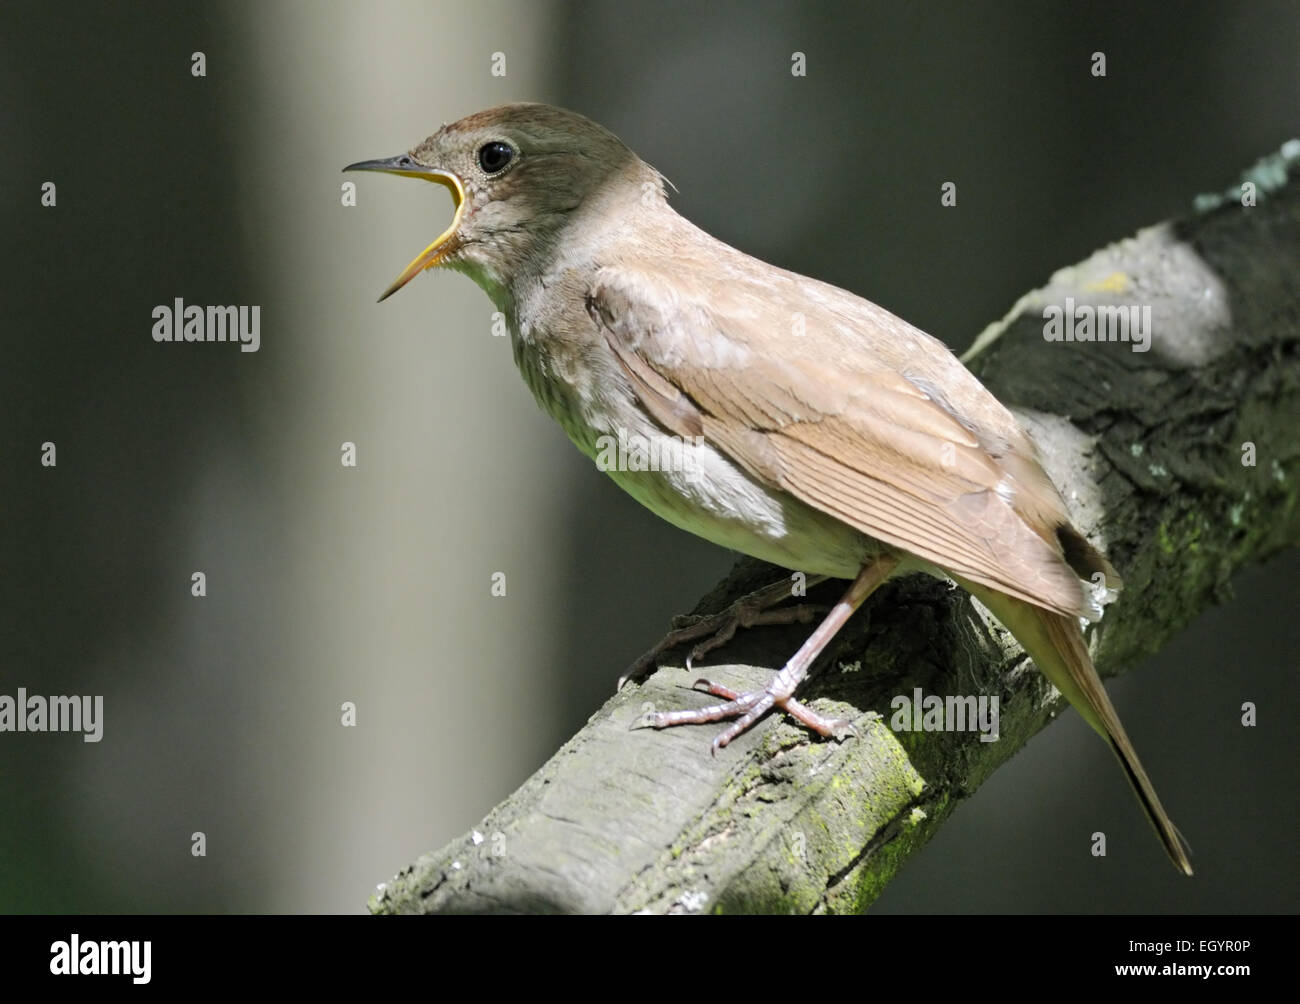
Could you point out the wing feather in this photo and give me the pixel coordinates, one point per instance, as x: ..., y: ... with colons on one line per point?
x: 854, y: 426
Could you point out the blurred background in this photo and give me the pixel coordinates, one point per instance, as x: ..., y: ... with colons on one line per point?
x: 328, y: 584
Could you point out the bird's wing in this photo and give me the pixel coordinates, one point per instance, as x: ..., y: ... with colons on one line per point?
x: 781, y: 373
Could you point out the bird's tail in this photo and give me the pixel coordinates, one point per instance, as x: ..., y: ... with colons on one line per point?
x: 1056, y: 644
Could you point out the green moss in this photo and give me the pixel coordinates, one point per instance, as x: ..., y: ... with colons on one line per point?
x: 884, y: 865
x: 1181, y: 535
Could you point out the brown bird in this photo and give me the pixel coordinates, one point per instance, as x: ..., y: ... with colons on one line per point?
x: 808, y: 427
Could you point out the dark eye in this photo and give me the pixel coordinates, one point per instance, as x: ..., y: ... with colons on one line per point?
x: 493, y: 157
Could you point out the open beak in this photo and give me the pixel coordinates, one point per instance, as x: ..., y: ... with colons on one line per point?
x: 408, y: 167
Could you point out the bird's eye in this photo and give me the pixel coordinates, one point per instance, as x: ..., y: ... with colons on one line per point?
x: 493, y: 157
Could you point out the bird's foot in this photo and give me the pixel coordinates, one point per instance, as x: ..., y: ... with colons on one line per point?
x: 749, y: 707
x: 746, y: 708
x: 715, y: 630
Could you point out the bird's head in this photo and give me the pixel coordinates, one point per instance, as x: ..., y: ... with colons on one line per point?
x: 518, y: 175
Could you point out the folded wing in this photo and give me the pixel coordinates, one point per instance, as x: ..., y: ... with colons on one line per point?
x: 853, y: 411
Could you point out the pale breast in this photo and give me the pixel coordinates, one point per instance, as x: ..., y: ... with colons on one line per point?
x: 684, y: 480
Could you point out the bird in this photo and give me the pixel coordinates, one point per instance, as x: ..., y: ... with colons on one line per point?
x: 809, y: 427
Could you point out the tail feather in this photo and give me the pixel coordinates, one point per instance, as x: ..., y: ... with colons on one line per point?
x: 1055, y: 643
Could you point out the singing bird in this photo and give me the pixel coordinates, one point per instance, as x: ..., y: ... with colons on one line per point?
x: 814, y: 430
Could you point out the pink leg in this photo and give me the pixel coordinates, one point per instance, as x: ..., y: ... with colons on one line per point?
x: 748, y: 708
x: 718, y: 629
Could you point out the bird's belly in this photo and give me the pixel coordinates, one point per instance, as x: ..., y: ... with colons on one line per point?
x: 696, y: 488
x: 683, y: 480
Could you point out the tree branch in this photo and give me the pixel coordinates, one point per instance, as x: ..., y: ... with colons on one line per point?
x: 1151, y: 450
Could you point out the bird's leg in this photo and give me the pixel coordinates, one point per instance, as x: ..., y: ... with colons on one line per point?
x: 749, y: 707
x: 717, y: 629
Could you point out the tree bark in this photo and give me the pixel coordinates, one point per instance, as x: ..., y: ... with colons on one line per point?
x: 1181, y: 462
